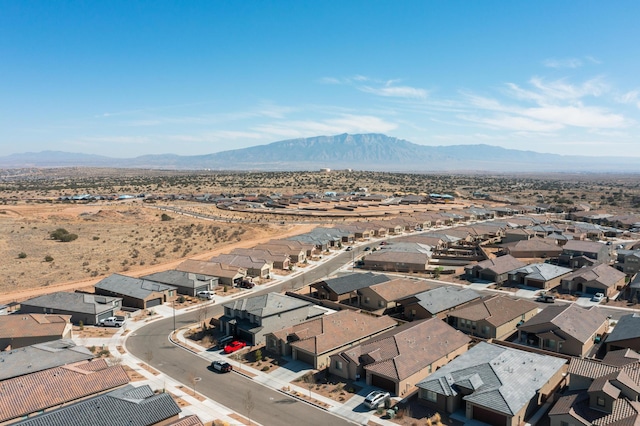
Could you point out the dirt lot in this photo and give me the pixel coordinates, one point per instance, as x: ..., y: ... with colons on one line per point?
x: 125, y: 238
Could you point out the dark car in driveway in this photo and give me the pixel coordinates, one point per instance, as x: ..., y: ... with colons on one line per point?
x: 221, y: 366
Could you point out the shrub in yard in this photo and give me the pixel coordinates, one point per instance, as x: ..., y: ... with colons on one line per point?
x: 265, y: 368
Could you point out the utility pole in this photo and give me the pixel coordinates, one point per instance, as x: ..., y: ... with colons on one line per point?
x: 173, y: 304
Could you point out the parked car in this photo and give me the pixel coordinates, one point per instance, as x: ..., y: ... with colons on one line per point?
x: 205, y: 294
x: 221, y: 366
x: 349, y: 248
x: 546, y: 298
x: 236, y: 345
x: 367, y: 248
x: 247, y: 284
x: 111, y: 322
x: 375, y: 398
x: 598, y: 297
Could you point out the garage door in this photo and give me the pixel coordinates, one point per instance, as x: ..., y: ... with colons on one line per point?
x: 304, y: 357
x: 489, y: 417
x: 383, y: 383
x: 593, y: 290
x: 154, y: 302
x: 105, y: 315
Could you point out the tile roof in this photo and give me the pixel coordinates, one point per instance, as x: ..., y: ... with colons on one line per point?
x: 542, y: 271
x: 399, y: 288
x: 267, y: 304
x: 443, y: 298
x: 583, y: 246
x: 125, y: 406
x: 568, y: 320
x: 192, y: 420
x: 74, y: 302
x: 499, y: 265
x: 402, y: 257
x: 243, y: 261
x: 621, y: 357
x: 504, y: 379
x: 330, y: 332
x: 180, y: 278
x: 497, y: 310
x: 33, y: 392
x: 625, y: 412
x: 627, y: 327
x: 215, y: 269
x: 405, y: 350
x: 600, y: 273
x: 42, y: 356
x: 33, y: 325
x: 132, y: 287
x: 352, y: 282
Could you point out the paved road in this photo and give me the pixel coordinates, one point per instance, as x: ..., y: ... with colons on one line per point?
x: 151, y: 344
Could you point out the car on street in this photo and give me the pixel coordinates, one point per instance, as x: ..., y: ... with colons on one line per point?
x: 235, y: 345
x: 348, y: 248
x: 598, y: 297
x: 205, y: 294
x: 221, y: 366
x: 367, y: 248
x: 375, y: 398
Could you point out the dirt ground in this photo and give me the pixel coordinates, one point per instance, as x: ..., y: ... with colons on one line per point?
x: 112, y: 238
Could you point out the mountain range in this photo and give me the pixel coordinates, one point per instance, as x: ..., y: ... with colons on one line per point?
x: 373, y: 152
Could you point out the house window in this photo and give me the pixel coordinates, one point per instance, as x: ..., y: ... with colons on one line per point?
x: 485, y: 330
x: 338, y: 365
x: 430, y: 396
x: 600, y: 401
x: 367, y: 300
x: 380, y: 303
x: 171, y: 293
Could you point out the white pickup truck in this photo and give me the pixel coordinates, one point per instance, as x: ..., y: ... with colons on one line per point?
x: 111, y: 322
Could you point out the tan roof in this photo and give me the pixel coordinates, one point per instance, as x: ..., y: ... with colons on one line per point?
x: 601, y: 273
x: 397, y: 256
x: 497, y: 310
x: 262, y: 254
x: 293, y: 244
x: 500, y: 265
x: 26, y: 394
x: 281, y: 249
x: 192, y: 420
x: 571, y: 319
x: 399, y: 288
x: 241, y: 261
x: 401, y: 352
x: 335, y: 330
x: 215, y: 269
x: 33, y: 325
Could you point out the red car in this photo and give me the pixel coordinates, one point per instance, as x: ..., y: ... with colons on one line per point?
x: 236, y: 345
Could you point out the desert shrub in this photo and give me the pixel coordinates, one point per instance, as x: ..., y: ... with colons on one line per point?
x: 258, y: 355
x: 265, y: 368
x: 22, y: 255
x: 165, y: 217
x: 181, y: 299
x: 62, y: 235
x: 96, y: 238
x: 48, y: 258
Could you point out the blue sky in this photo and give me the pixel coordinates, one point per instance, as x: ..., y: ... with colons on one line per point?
x: 126, y: 78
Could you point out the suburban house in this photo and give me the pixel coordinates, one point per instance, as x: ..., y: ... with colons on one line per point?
x: 626, y: 334
x: 599, y: 278
x: 253, y: 318
x: 539, y: 275
x: 136, y: 292
x: 128, y: 405
x: 397, y: 261
x: 397, y: 359
x: 494, y: 270
x: 43, y: 390
x: 17, y: 331
x: 278, y: 259
x: 632, y: 290
x: 493, y: 384
x: 345, y: 287
x: 186, y: 283
x: 384, y: 296
x: 294, y: 246
x: 295, y: 254
x: 517, y: 234
x: 628, y: 261
x: 314, y: 341
x: 492, y: 317
x: 565, y: 329
x: 227, y: 274
x: 574, y: 249
x: 533, y: 248
x: 42, y: 356
x: 437, y: 302
x: 600, y: 394
x: 83, y: 308
x: 255, y: 267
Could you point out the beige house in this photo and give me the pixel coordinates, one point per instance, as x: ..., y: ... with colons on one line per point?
x: 437, y: 302
x: 397, y: 261
x: 494, y: 384
x: 308, y: 248
x: 277, y: 258
x: 566, y: 329
x: 20, y: 330
x: 384, y: 296
x: 533, y: 248
x: 493, y: 317
x: 399, y: 358
x: 316, y: 340
x: 260, y: 268
x: 296, y: 254
x: 600, y: 278
x: 228, y: 275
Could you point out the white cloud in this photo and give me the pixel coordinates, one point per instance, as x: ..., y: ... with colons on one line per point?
x: 546, y: 92
x: 513, y: 122
x: 562, y: 63
x: 577, y: 116
x: 395, y: 91
x: 347, y: 123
